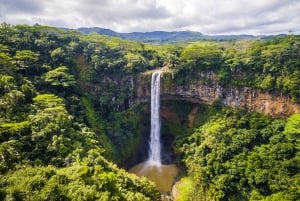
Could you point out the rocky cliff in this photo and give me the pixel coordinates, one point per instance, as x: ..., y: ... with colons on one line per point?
x: 206, y: 90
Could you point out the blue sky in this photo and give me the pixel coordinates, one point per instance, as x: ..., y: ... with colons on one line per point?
x: 206, y: 16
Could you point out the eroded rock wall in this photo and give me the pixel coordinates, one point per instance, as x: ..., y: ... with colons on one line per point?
x: 210, y: 92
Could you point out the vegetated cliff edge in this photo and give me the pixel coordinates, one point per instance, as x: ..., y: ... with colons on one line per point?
x: 207, y: 90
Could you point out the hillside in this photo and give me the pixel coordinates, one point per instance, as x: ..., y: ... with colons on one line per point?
x: 164, y: 36
x: 74, y: 108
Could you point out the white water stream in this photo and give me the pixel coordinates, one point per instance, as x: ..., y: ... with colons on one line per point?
x: 154, y: 144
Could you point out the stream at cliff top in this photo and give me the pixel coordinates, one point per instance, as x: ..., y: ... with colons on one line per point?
x: 163, y: 175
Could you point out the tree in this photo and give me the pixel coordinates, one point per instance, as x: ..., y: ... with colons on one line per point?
x: 26, y: 60
x: 6, y: 64
x: 291, y: 85
x: 60, y: 77
x: 268, y: 82
x: 135, y: 62
x: 7, y: 83
x: 50, y: 127
x: 292, y: 129
x: 9, y: 155
x: 58, y: 56
x: 205, y: 56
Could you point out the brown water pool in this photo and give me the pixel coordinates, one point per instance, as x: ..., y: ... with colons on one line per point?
x: 163, y: 175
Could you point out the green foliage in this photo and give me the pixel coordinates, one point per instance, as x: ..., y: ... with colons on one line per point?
x: 14, y: 98
x: 292, y: 130
x: 10, y: 154
x: 57, y: 55
x: 26, y: 59
x: 135, y: 62
x: 272, y: 61
x: 185, y: 189
x: 124, y: 129
x: 6, y: 64
x: 26, y: 56
x: 85, y: 180
x: 271, y: 65
x: 46, y: 153
x: 60, y: 77
x: 98, y: 126
x: 13, y: 129
x: 236, y: 157
x: 267, y: 82
x: 51, y: 122
x: 203, y: 56
x: 7, y: 83
x: 290, y: 85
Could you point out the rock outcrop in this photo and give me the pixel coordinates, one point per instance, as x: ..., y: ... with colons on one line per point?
x: 200, y: 91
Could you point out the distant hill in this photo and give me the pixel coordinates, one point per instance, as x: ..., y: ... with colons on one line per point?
x: 163, y: 36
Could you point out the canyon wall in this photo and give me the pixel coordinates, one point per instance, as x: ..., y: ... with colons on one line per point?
x: 210, y: 92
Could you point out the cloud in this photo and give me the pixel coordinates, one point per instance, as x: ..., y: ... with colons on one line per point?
x: 20, y: 6
x: 210, y: 17
x: 122, y: 15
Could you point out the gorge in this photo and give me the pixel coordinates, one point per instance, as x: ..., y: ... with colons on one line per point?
x: 198, y: 92
x: 75, y: 116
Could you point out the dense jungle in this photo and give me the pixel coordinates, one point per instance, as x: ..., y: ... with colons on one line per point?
x: 75, y: 109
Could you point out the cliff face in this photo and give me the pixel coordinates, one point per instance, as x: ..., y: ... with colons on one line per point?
x: 210, y: 92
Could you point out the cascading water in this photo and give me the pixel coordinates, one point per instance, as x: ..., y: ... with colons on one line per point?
x: 162, y: 175
x: 154, y: 144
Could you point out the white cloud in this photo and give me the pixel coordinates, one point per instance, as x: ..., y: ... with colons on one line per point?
x: 207, y: 16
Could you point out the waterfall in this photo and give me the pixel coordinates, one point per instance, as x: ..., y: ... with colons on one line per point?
x: 154, y: 144
x: 162, y: 175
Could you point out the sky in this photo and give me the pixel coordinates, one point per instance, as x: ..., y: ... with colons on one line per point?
x: 211, y: 17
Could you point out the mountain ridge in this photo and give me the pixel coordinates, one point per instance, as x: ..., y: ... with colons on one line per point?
x: 164, y: 36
